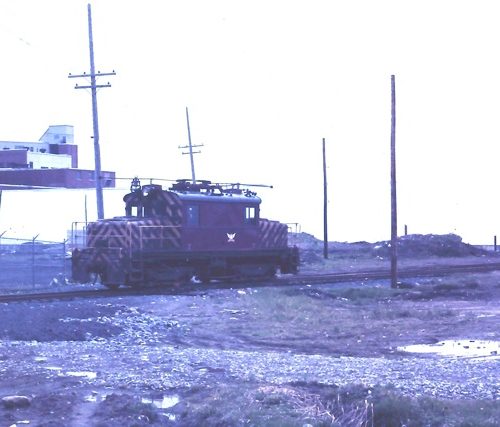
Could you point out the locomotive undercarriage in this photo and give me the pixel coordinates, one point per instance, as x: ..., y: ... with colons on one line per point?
x: 156, y: 269
x: 151, y: 269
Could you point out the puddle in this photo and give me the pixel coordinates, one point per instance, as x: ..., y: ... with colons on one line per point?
x: 171, y: 417
x: 83, y: 374
x: 164, y: 403
x: 94, y: 397
x: 457, y: 348
x: 91, y: 398
x: 87, y: 374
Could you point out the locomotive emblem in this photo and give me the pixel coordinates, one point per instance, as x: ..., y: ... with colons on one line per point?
x: 230, y: 237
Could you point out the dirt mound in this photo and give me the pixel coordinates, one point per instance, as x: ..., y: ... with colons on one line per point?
x: 418, y: 245
x: 311, y: 249
x: 411, y: 246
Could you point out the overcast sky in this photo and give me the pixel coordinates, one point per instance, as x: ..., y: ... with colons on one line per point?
x: 265, y: 81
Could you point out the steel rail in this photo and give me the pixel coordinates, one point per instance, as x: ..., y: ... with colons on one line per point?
x: 301, y: 279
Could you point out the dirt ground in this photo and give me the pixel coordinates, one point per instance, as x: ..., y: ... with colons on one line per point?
x: 252, y: 356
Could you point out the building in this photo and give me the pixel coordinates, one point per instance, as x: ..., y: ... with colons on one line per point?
x: 52, y: 161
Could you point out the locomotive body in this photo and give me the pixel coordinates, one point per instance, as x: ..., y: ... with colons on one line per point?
x: 199, y: 230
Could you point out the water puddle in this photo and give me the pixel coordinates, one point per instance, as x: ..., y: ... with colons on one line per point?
x: 95, y: 397
x: 84, y: 374
x: 458, y: 348
x: 164, y: 403
x: 92, y: 398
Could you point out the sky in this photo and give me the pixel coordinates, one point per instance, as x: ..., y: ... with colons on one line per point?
x: 264, y: 82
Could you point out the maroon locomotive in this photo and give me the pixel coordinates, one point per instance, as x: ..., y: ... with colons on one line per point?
x: 194, y: 230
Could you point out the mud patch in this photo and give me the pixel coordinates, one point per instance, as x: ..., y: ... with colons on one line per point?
x: 50, y: 322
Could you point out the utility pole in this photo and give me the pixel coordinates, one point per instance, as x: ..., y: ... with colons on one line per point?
x: 394, y: 211
x: 325, y: 205
x: 93, y: 87
x: 190, y: 147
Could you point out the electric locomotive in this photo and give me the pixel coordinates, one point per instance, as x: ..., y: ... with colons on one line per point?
x: 192, y: 230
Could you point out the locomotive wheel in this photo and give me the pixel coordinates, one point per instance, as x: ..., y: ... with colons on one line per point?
x: 202, y: 279
x: 168, y: 276
x: 202, y: 275
x: 95, y: 278
x: 256, y: 271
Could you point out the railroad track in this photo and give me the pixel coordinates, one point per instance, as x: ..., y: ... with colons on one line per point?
x: 435, y: 270
x: 301, y: 279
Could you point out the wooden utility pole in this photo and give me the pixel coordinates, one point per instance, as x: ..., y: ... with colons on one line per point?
x: 93, y: 87
x: 325, y: 205
x: 190, y: 147
x: 394, y: 212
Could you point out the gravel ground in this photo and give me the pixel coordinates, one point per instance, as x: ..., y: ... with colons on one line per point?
x: 161, y: 367
x: 67, y: 356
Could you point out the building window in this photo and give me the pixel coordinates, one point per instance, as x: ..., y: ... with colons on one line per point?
x: 193, y: 215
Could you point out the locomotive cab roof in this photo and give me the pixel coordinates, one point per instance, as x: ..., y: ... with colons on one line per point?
x: 152, y: 200
x: 207, y: 191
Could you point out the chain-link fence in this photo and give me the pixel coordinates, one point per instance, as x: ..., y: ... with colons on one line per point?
x: 32, y: 263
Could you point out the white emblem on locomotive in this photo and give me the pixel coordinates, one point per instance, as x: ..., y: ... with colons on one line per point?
x: 230, y: 237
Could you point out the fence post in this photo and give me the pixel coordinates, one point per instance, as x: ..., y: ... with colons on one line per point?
x: 33, y: 260
x: 64, y: 259
x: 495, y: 243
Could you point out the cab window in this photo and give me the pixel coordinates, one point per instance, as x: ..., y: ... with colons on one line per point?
x: 136, y: 211
x: 250, y: 215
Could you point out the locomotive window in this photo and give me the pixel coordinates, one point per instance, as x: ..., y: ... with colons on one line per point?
x: 193, y: 215
x: 137, y: 211
x: 250, y: 214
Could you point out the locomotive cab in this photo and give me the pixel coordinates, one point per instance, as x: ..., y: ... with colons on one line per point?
x: 150, y: 201
x: 217, y: 218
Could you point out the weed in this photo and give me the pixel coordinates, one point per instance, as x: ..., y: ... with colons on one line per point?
x: 355, y: 405
x: 367, y: 294
x: 125, y: 409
